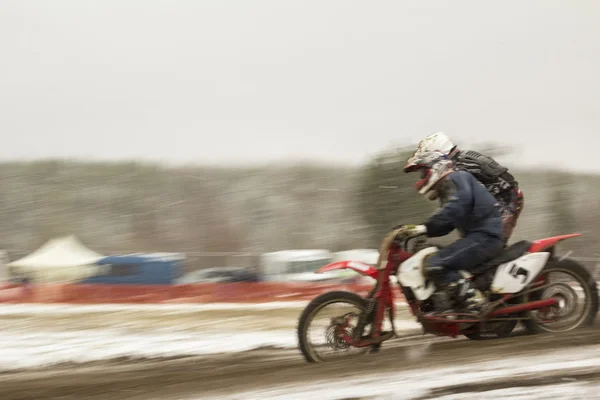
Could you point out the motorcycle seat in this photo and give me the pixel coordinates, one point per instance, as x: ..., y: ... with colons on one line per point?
x: 510, y: 253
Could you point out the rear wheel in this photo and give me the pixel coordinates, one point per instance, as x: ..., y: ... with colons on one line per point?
x: 577, y: 293
x: 341, y: 312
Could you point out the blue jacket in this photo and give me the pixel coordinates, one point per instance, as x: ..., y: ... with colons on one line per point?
x: 466, y: 206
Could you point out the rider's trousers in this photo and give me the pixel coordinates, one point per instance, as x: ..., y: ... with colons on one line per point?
x: 464, y: 254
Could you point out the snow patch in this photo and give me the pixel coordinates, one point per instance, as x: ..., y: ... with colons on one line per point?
x: 37, y: 349
x: 417, y: 383
x: 41, y: 335
x: 558, y: 391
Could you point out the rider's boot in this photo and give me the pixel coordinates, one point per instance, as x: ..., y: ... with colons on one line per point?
x: 443, y: 297
x: 454, y: 294
x: 467, y: 297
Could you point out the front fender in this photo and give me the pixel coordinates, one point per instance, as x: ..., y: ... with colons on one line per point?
x: 360, y: 267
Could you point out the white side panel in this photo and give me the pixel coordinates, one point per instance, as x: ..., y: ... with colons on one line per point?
x: 410, y: 274
x: 514, y: 275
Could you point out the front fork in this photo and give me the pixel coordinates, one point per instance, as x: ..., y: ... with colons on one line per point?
x: 379, y: 300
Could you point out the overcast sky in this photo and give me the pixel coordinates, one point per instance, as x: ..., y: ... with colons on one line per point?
x: 225, y: 81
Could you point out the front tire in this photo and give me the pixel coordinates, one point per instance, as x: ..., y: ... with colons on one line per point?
x: 306, y: 318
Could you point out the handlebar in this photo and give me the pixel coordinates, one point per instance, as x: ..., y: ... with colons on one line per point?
x: 405, y: 241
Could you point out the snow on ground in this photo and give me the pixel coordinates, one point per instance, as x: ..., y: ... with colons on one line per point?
x: 41, y: 335
x: 11, y: 309
x: 43, y: 348
x: 570, y: 391
x: 416, y: 383
x: 563, y: 391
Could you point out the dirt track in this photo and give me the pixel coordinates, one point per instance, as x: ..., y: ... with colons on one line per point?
x: 203, y: 377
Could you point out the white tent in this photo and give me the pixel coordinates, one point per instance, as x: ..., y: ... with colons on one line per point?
x: 63, y: 259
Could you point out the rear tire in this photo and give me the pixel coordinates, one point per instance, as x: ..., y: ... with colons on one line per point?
x: 311, y: 309
x: 586, y: 280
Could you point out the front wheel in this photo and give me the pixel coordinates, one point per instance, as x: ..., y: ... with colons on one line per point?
x: 577, y: 294
x: 341, y: 312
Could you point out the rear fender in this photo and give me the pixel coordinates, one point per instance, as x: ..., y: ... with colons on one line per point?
x: 360, y: 267
x: 545, y: 244
x: 515, y: 275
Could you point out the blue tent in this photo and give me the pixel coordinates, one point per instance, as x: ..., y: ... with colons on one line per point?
x: 139, y: 269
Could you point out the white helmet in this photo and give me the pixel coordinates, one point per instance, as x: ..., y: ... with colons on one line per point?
x: 435, y: 142
x: 433, y: 166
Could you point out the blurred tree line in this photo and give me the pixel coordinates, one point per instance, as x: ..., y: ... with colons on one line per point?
x: 123, y: 207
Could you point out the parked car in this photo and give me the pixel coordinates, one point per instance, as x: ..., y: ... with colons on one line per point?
x: 219, y: 274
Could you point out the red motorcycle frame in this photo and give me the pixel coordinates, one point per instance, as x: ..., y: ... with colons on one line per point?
x: 382, y: 296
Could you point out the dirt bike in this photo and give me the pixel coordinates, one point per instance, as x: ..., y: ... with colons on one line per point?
x: 517, y: 284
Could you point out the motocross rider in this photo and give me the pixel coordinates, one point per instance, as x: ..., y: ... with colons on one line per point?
x: 467, y: 206
x: 496, y: 178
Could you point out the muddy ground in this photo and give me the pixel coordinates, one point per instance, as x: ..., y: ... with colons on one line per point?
x: 200, y: 377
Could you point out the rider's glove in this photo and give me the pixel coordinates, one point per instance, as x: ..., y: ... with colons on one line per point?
x: 409, y: 231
